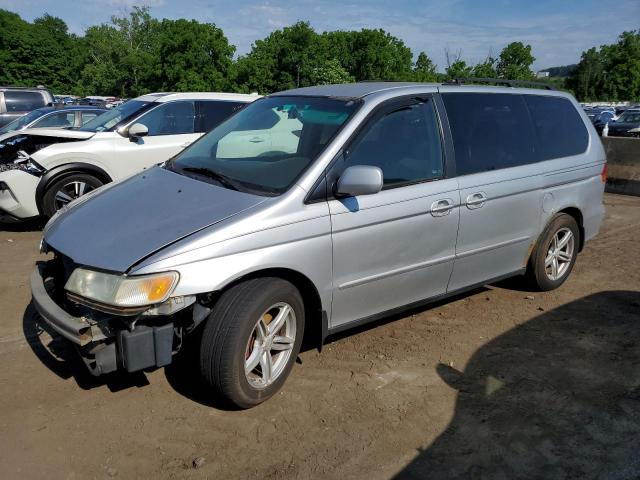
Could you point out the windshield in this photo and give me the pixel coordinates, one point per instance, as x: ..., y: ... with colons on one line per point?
x: 108, y: 120
x: 20, y: 123
x: 630, y: 117
x: 266, y: 146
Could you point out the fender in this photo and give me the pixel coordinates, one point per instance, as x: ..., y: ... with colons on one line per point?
x: 56, y: 172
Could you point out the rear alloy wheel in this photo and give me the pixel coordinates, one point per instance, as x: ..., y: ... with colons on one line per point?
x: 67, y: 189
x: 251, y: 340
x: 555, y: 254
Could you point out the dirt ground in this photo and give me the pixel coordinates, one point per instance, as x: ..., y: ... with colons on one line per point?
x: 500, y: 383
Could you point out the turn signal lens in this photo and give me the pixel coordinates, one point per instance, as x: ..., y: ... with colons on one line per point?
x: 603, y: 175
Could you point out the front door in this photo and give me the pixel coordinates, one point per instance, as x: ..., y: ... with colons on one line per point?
x: 395, y: 247
x: 171, y: 128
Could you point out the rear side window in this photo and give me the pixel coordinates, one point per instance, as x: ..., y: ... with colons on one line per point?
x: 212, y: 113
x: 559, y: 128
x: 404, y: 143
x: 490, y: 131
x: 23, y: 101
x: 59, y: 119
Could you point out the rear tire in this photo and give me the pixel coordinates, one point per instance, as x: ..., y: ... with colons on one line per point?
x: 65, y: 189
x: 555, y: 254
x: 252, y: 339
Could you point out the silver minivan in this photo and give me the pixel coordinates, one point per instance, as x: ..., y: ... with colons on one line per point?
x: 314, y: 210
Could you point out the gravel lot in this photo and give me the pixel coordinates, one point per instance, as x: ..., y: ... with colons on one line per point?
x: 499, y: 383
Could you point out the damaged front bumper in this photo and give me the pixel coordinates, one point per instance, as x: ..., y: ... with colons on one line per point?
x: 108, y: 343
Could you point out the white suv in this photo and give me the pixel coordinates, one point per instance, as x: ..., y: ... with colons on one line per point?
x: 42, y: 170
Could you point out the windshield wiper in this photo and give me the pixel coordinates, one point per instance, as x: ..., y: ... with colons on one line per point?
x: 219, y: 177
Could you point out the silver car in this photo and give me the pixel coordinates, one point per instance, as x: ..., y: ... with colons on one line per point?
x: 369, y: 199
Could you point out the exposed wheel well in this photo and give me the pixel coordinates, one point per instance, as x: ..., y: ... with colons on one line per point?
x: 577, y: 216
x: 313, y: 332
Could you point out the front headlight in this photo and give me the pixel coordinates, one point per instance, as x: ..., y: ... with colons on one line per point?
x: 635, y: 130
x: 120, y: 290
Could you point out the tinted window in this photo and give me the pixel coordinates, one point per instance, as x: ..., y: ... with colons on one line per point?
x: 88, y: 116
x: 58, y: 119
x: 490, y: 131
x: 170, y: 118
x: 404, y: 144
x: 211, y: 114
x: 21, y: 101
x: 559, y: 128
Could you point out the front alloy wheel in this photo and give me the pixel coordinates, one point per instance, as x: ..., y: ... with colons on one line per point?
x: 251, y: 340
x: 270, y: 345
x: 66, y: 189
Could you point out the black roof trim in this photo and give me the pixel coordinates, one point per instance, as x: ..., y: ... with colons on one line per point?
x: 501, y: 81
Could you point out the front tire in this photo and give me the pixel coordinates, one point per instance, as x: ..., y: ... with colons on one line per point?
x: 68, y: 188
x: 555, y: 254
x: 252, y: 339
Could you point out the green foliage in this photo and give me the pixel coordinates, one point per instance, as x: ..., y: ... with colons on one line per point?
x: 486, y: 69
x: 296, y: 55
x: 38, y: 53
x: 611, y: 73
x: 193, y: 56
x: 515, y: 62
x: 330, y: 72
x: 424, y: 69
x: 458, y: 69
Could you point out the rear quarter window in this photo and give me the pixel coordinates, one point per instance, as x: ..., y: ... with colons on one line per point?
x: 23, y: 101
x: 559, y: 128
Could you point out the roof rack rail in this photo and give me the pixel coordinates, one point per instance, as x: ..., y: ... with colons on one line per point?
x: 502, y: 81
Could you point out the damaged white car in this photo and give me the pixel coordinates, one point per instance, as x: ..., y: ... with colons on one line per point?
x: 41, y: 170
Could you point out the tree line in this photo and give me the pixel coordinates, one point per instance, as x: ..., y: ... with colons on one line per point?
x: 138, y: 54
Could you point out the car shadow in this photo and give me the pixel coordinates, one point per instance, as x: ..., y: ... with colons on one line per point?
x: 31, y: 225
x: 61, y: 358
x: 555, y: 397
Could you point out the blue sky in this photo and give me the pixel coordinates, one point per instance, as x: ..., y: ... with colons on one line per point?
x: 558, y: 30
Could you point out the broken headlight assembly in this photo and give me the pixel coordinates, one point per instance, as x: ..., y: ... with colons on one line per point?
x: 24, y: 163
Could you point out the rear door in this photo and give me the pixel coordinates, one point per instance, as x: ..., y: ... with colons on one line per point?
x: 500, y: 187
x: 395, y: 247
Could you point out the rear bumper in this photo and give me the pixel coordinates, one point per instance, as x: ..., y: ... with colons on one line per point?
x: 104, y: 345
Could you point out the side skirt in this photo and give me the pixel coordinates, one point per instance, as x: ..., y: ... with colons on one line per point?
x: 411, y: 306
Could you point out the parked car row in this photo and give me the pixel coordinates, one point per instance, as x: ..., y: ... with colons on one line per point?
x: 58, y: 116
x: 615, y: 122
x: 303, y: 214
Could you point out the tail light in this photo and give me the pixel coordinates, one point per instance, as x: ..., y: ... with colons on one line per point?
x: 603, y: 175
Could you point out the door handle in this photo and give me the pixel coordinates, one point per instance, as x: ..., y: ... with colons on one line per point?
x: 440, y: 208
x: 256, y: 140
x: 476, y: 200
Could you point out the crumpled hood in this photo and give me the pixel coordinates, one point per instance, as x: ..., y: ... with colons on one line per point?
x: 31, y: 140
x: 118, y: 227
x: 50, y: 132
